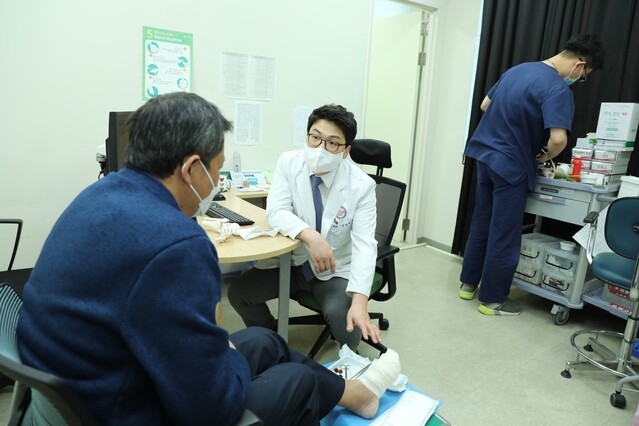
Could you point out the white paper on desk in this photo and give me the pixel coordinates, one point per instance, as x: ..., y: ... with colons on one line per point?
x: 412, y: 409
x: 251, y: 188
x: 256, y: 231
x: 600, y: 239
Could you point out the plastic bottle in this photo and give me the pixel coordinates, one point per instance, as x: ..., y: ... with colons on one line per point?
x: 576, y: 168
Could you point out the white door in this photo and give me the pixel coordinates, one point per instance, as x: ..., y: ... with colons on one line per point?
x: 396, y: 63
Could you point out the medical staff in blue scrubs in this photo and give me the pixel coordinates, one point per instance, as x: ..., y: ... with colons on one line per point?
x: 528, y: 114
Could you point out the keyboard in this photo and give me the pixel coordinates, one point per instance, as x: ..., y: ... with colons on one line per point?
x: 218, y: 211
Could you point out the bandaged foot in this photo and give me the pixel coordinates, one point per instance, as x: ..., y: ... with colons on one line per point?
x: 382, y: 373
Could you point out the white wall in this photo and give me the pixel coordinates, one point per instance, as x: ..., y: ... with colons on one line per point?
x: 67, y: 63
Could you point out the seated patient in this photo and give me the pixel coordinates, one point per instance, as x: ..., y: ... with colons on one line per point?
x: 123, y: 302
x: 335, y: 221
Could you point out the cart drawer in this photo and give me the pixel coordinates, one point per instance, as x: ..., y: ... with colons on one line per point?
x: 558, y: 191
x: 559, y: 208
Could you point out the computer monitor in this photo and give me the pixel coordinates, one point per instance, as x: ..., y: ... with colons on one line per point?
x: 117, y: 141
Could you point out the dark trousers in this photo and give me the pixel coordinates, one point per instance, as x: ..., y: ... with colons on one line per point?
x: 248, y: 296
x: 288, y: 388
x: 492, y: 250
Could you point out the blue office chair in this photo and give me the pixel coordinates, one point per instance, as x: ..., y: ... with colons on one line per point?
x: 620, y: 268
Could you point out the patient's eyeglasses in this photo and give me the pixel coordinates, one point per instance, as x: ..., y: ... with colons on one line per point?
x: 315, y: 141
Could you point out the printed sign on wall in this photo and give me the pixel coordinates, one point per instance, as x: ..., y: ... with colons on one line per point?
x: 167, y: 62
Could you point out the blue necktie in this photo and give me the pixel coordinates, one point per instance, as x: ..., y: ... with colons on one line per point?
x: 317, y: 200
x: 319, y: 210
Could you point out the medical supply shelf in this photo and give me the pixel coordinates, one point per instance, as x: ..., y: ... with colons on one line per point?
x: 567, y: 202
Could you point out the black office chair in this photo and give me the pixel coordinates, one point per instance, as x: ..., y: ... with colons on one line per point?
x: 38, y: 397
x: 18, y: 277
x: 621, y: 268
x: 390, y: 196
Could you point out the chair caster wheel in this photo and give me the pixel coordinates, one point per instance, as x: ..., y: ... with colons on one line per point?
x: 566, y: 374
x: 618, y: 400
x: 383, y: 324
x: 588, y: 348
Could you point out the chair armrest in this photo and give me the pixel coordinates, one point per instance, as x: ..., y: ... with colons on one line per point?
x: 591, y: 217
x: 248, y: 418
x: 386, y: 251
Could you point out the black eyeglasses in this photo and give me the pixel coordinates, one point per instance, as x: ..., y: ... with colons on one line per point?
x: 585, y: 77
x: 315, y: 141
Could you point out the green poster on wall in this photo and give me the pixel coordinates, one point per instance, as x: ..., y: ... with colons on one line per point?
x: 167, y: 62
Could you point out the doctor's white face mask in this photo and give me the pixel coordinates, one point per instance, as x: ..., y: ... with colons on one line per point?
x: 206, y: 201
x: 320, y: 160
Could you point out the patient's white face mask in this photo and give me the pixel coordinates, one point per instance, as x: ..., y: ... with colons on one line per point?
x: 320, y: 160
x: 206, y: 201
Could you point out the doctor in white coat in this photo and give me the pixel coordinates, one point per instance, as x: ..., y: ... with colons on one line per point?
x: 340, y: 257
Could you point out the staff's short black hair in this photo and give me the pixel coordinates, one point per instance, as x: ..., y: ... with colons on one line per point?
x: 337, y: 115
x: 587, y: 47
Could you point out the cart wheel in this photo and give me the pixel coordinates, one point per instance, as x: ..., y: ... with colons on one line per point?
x: 561, y: 317
x: 618, y: 400
x: 566, y: 374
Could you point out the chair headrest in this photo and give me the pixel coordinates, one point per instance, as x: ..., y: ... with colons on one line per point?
x: 371, y: 152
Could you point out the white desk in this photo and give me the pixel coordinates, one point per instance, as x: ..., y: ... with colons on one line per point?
x: 235, y: 249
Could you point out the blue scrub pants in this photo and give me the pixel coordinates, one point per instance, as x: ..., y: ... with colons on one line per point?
x: 288, y: 388
x: 494, y: 242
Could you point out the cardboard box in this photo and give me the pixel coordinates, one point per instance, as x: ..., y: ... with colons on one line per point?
x: 618, y: 121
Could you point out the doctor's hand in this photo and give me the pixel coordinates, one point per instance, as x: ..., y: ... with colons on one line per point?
x: 320, y: 252
x: 358, y: 317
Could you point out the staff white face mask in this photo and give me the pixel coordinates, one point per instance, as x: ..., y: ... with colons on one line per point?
x: 320, y: 160
x: 206, y: 201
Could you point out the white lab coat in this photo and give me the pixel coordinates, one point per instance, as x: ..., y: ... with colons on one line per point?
x: 348, y: 221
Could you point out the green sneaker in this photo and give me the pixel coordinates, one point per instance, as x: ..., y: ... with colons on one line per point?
x: 508, y: 308
x: 466, y: 294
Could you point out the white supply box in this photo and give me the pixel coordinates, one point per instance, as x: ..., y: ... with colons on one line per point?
x: 619, y: 145
x: 560, y: 261
x: 533, y: 247
x: 629, y: 187
x: 583, y: 153
x: 528, y: 271
x: 608, y: 168
x: 618, y: 121
x: 617, y: 297
x: 620, y: 158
